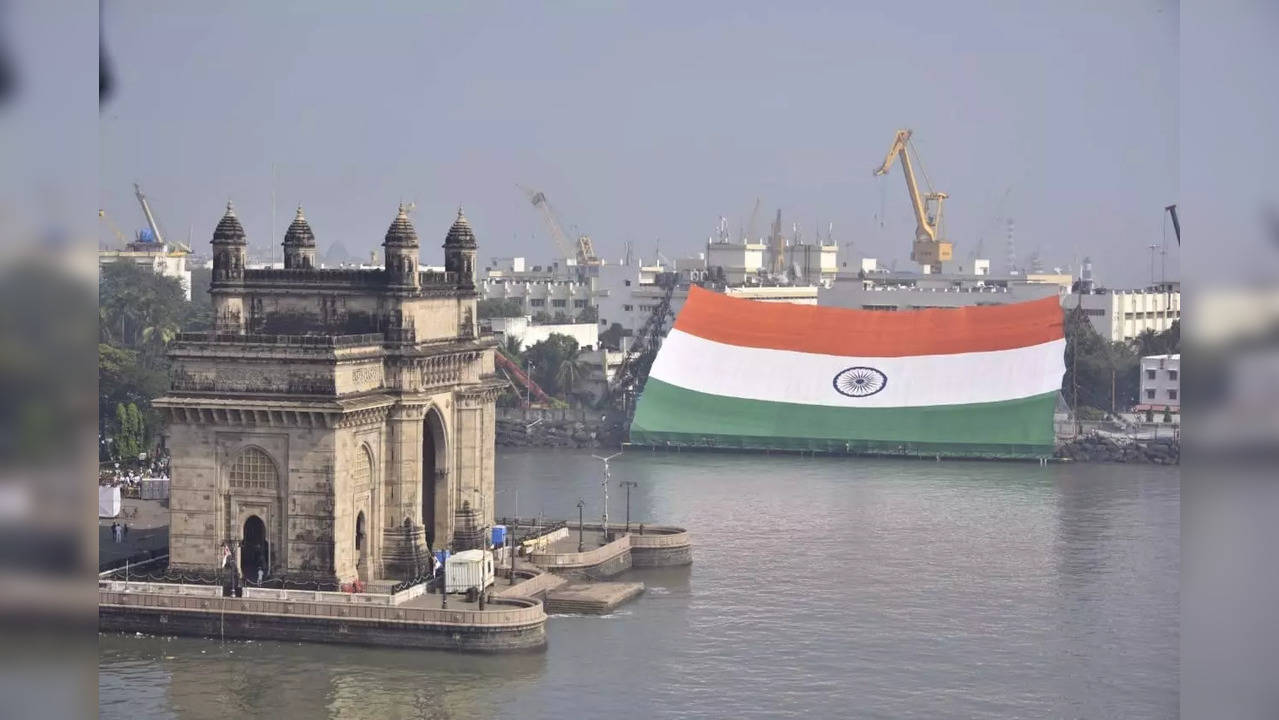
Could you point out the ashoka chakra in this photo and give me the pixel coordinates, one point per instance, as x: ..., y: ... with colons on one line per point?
x: 860, y: 381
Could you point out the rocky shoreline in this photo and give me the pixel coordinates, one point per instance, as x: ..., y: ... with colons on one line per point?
x: 1104, y: 449
x: 559, y: 434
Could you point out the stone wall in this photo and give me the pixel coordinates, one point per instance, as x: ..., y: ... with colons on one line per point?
x: 1101, y: 448
x: 511, y: 623
x: 357, y: 631
x: 559, y: 428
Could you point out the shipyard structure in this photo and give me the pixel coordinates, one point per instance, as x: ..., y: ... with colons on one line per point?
x: 337, y: 423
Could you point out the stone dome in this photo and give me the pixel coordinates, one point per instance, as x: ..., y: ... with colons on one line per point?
x: 299, y: 232
x: 401, y: 232
x: 460, y: 234
x: 229, y: 230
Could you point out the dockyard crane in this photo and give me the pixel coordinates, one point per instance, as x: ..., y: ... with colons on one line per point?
x: 155, y: 229
x: 119, y: 236
x: 930, y: 247
x: 583, y: 249
x: 1176, y: 223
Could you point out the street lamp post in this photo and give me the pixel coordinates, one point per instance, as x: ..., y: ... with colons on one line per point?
x: 628, y: 484
x: 580, y: 504
x: 604, y: 484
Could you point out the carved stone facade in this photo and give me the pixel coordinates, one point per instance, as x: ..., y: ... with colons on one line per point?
x: 340, y: 449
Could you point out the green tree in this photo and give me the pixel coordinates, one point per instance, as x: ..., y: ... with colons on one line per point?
x: 572, y: 374
x: 589, y: 314
x: 139, y: 314
x: 1148, y: 343
x: 1092, y: 363
x: 547, y: 357
x: 139, y: 309
x: 499, y: 308
x: 138, y: 428
x: 612, y: 337
x: 125, y: 443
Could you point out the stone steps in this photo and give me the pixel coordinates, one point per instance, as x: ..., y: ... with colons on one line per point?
x: 591, y: 598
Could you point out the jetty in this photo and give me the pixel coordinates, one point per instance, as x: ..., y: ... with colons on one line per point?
x: 542, y: 571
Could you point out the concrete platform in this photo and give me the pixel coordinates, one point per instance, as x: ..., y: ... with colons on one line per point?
x: 595, y: 598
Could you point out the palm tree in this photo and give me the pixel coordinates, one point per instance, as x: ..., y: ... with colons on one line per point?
x: 1148, y: 343
x: 571, y: 372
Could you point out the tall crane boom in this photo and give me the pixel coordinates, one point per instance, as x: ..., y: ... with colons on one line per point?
x: 583, y: 249
x: 155, y: 229
x: 146, y: 210
x: 929, y: 248
x: 1176, y: 223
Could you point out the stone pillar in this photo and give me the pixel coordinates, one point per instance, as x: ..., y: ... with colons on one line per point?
x: 403, y: 545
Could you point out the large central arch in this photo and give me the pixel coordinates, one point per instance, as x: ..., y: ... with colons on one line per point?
x: 434, y: 470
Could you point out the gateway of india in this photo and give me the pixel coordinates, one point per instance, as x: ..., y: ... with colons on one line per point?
x: 336, y: 423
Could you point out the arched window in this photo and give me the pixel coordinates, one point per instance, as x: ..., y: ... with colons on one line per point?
x: 253, y: 470
x: 362, y: 473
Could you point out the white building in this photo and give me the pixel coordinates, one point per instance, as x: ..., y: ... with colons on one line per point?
x: 739, y: 260
x: 169, y: 263
x: 874, y: 289
x: 552, y: 289
x: 1122, y: 315
x: 523, y: 328
x: 744, y: 263
x: 1160, y: 383
x: 627, y: 294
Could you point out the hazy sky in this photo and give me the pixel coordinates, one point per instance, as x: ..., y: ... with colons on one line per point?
x: 650, y: 120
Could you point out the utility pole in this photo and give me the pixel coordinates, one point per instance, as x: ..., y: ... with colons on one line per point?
x: 580, y: 504
x: 628, y: 484
x: 604, y: 484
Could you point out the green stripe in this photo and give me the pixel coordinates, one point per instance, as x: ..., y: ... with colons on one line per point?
x: 673, y: 416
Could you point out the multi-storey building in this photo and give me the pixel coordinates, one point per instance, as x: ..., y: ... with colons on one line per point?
x: 1160, y: 383
x: 1122, y: 315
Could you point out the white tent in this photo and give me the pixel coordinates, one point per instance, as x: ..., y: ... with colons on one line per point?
x: 108, y: 501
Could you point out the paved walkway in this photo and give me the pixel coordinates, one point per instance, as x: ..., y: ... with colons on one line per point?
x: 148, y: 522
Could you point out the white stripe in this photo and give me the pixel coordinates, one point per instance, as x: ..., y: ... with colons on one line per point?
x: 707, y: 366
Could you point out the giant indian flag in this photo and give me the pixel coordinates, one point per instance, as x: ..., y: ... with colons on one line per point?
x: 972, y: 382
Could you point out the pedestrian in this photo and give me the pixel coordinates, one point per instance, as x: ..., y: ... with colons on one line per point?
x: 259, y: 576
x: 126, y: 531
x: 115, y: 532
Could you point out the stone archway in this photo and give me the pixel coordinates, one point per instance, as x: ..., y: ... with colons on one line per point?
x: 434, y: 470
x: 255, y: 549
x: 361, y: 548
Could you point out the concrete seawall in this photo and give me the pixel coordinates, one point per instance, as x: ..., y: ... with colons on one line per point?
x: 515, y: 623
x: 661, y: 546
x: 600, y: 562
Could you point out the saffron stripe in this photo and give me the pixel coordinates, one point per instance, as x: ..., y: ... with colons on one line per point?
x: 868, y: 333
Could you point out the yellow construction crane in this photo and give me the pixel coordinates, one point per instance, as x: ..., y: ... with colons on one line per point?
x: 930, y: 247
x: 119, y: 236
x: 583, y: 250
